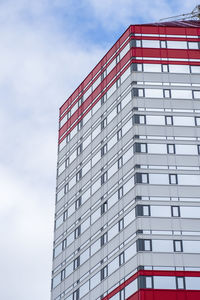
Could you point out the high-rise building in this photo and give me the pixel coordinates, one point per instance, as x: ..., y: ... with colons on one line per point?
x: 127, y: 220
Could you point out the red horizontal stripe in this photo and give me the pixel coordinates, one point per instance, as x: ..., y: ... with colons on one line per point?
x: 172, y: 30
x: 152, y: 273
x: 145, y: 294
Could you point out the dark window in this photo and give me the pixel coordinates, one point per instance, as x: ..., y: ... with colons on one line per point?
x: 104, y: 273
x: 170, y: 148
x: 175, y: 211
x: 178, y: 246
x: 76, y: 263
x: 78, y: 203
x: 76, y: 295
x: 141, y: 178
x: 104, y: 239
x: 120, y: 192
x: 121, y: 258
x: 144, y: 245
x: 142, y: 210
x: 103, y: 150
x: 103, y: 123
x: 104, y: 207
x: 79, y: 149
x: 120, y: 162
x: 119, y: 134
x: 77, y: 232
x: 173, y: 179
x: 79, y: 175
x: 104, y: 178
x: 168, y: 120
x: 121, y: 224
x: 140, y: 147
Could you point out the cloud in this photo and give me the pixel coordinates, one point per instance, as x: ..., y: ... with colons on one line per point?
x: 115, y: 13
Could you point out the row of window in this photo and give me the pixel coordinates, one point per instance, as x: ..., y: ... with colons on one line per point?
x: 166, y: 120
x: 167, y: 211
x: 166, y: 93
x: 165, y: 44
x: 181, y: 179
x: 166, y: 68
x: 168, y: 246
x: 181, y: 149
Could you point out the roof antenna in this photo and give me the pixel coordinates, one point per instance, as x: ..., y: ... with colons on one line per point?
x: 194, y: 15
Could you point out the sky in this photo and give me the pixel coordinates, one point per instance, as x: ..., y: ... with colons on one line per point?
x: 47, y: 48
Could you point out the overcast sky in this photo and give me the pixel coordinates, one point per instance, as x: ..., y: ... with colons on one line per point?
x: 47, y: 48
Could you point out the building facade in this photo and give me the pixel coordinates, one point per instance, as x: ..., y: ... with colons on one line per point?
x: 127, y: 219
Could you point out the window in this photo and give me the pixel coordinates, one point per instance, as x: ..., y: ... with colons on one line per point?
x: 119, y: 107
x: 78, y: 203
x: 138, y: 119
x: 79, y: 149
x: 142, y: 210
x: 117, y: 59
x: 103, y: 99
x: 104, y: 239
x: 76, y: 295
x: 193, y: 45
x: 80, y: 125
x: 80, y: 101
x: 118, y: 82
x: 77, y: 232
x: 76, y: 263
x: 178, y: 246
x: 121, y: 224
x: 145, y: 282
x: 180, y: 282
x: 197, y: 121
x: 120, y: 192
x: 141, y: 178
x: 62, y: 274
x: 103, y: 150
x: 166, y: 93
x: 120, y: 162
x: 163, y: 44
x: 170, y: 148
x: 168, y: 120
x: 144, y: 245
x: 175, y: 210
x: 173, y: 179
x: 196, y: 94
x: 121, y: 258
x: 142, y: 147
x: 198, y: 146
x: 103, y: 123
x: 104, y: 207
x: 104, y: 178
x: 79, y: 176
x: 104, y: 273
x: 137, y: 92
x: 119, y: 134
x: 165, y: 68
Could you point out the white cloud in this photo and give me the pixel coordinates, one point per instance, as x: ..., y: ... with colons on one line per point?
x: 114, y: 13
x: 40, y: 67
